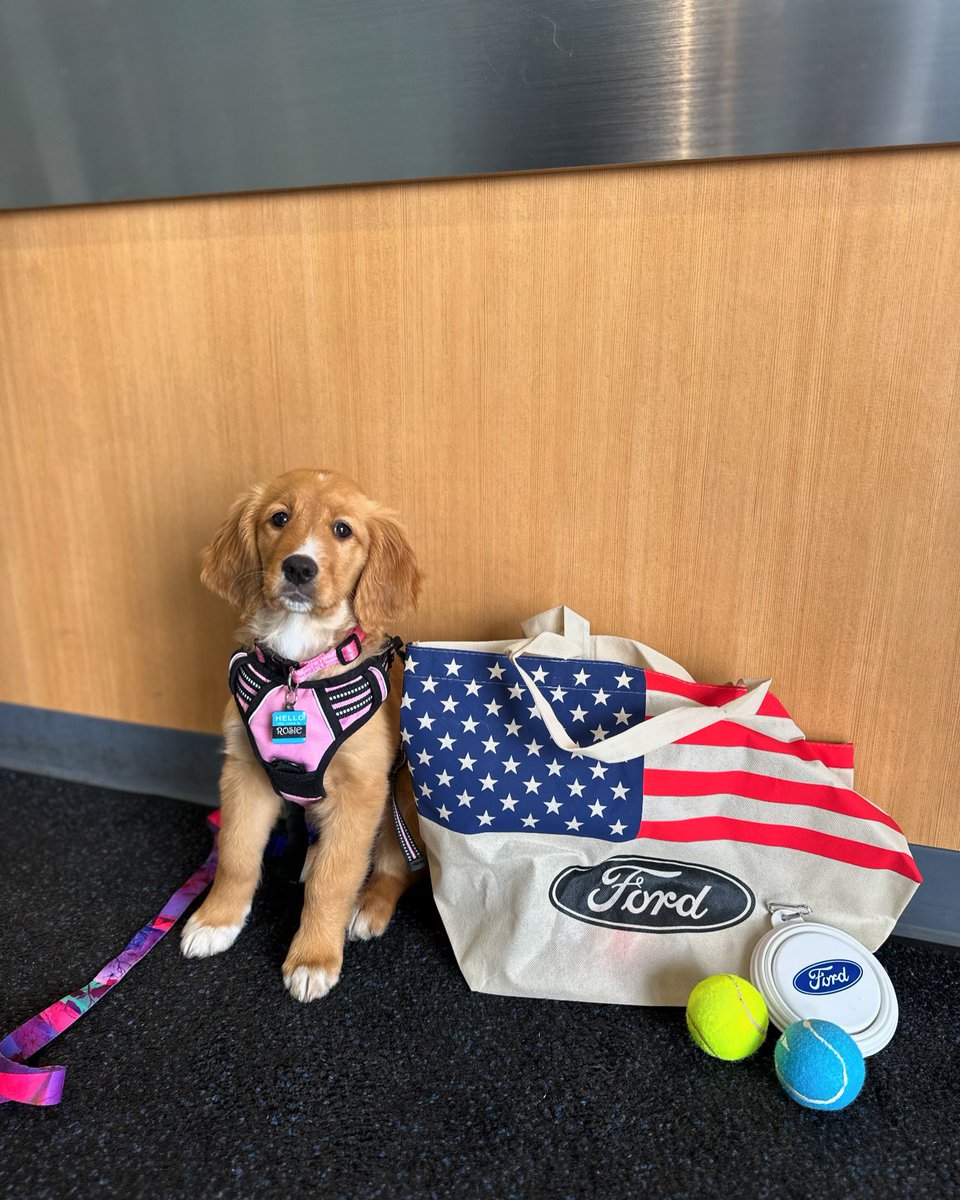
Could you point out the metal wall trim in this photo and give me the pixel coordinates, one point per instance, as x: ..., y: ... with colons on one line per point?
x: 107, y: 100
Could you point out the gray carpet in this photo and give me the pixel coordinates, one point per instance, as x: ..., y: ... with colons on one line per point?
x: 204, y: 1079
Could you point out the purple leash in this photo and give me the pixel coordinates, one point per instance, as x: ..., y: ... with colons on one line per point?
x: 44, y: 1085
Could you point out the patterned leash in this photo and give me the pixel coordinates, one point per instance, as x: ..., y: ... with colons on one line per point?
x: 44, y: 1085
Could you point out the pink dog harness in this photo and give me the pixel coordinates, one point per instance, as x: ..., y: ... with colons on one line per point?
x: 296, y: 724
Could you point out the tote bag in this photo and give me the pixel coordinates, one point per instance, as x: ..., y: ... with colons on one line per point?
x: 601, y: 827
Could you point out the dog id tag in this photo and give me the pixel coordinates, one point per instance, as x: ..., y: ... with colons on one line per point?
x: 289, y: 726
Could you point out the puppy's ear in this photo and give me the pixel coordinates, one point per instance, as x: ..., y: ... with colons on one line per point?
x: 391, y: 578
x: 231, y: 564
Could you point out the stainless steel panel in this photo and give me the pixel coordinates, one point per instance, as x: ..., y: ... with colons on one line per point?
x: 119, y: 99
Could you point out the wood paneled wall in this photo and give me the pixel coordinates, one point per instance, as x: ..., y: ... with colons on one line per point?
x: 716, y: 407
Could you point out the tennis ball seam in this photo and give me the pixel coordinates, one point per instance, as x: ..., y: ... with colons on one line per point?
x: 845, y: 1078
x: 740, y: 996
x: 701, y: 1040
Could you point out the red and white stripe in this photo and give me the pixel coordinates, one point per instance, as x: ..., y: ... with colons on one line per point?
x: 756, y: 782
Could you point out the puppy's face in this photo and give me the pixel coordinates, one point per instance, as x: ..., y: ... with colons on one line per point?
x: 308, y: 541
x: 313, y: 539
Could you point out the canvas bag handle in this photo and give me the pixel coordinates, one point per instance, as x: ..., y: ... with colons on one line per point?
x: 573, y: 628
x: 660, y: 731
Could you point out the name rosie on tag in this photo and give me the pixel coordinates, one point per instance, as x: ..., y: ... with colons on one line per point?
x: 652, y: 896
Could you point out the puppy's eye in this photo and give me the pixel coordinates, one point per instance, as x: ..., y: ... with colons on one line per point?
x: 279, y: 519
x: 342, y: 530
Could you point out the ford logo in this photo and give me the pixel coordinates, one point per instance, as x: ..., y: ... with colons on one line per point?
x: 825, y: 977
x: 652, y: 895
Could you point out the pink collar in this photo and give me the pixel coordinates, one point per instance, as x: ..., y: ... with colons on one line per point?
x: 347, y: 651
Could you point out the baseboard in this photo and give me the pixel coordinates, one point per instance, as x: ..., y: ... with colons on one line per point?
x: 933, y: 915
x: 114, y: 754
x: 174, y: 762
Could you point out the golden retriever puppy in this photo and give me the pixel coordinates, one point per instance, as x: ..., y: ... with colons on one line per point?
x: 320, y: 573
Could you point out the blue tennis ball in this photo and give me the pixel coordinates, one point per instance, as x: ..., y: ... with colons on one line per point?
x: 819, y: 1065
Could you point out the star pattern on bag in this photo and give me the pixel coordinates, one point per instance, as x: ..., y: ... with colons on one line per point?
x: 482, y: 759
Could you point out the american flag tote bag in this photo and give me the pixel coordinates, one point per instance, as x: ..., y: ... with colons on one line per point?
x: 601, y: 827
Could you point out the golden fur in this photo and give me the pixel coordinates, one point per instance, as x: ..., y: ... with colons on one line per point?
x: 355, y: 872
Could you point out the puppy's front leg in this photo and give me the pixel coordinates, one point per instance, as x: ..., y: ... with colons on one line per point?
x: 348, y: 819
x: 249, y: 809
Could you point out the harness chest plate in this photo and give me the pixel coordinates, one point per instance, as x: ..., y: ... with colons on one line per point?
x: 294, y: 737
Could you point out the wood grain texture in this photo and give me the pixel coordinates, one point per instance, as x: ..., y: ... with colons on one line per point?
x: 711, y: 406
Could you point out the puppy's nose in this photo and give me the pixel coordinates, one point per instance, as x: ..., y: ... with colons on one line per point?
x: 299, y: 569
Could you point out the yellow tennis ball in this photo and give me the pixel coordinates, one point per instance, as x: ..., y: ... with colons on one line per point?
x: 727, y: 1017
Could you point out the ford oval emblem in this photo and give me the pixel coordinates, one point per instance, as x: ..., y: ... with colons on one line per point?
x: 824, y: 978
x: 652, y: 895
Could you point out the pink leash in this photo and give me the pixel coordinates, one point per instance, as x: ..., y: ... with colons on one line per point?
x: 44, y: 1085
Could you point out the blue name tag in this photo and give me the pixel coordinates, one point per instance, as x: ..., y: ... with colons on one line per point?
x: 289, y: 726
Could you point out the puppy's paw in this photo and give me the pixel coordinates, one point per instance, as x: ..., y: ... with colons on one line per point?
x: 309, y: 983
x: 370, y: 918
x: 200, y: 941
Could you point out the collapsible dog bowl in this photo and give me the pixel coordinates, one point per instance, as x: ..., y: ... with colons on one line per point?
x: 804, y: 969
